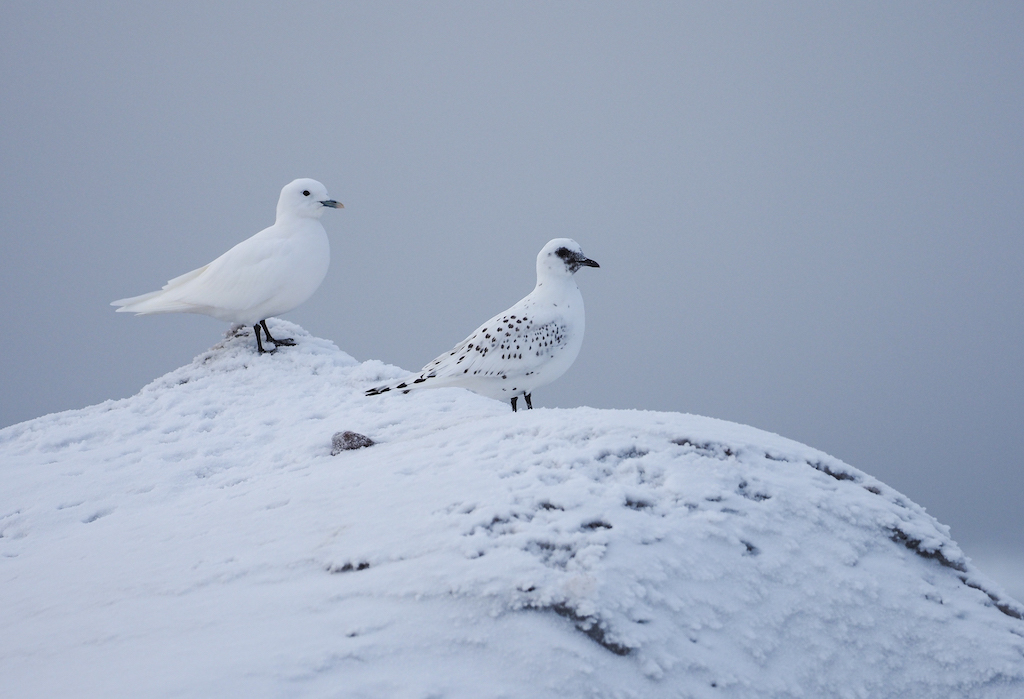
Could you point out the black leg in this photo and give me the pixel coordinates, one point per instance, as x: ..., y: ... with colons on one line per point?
x: 286, y: 341
x: 259, y: 342
x: 529, y: 403
x: 515, y: 399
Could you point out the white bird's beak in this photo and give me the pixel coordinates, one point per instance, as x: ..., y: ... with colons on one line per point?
x: 333, y: 204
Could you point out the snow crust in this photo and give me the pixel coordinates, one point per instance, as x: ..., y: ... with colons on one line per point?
x: 199, y: 539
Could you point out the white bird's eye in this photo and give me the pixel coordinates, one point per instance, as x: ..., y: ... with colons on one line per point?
x: 305, y: 192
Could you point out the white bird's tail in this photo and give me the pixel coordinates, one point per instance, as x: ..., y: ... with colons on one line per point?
x: 154, y: 301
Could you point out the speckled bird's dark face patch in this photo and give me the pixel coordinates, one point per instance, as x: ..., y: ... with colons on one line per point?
x: 573, y: 259
x: 568, y: 257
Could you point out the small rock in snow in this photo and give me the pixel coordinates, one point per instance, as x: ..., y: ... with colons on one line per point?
x: 345, y: 441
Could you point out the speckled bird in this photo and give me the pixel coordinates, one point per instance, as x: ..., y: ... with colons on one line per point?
x: 528, y: 346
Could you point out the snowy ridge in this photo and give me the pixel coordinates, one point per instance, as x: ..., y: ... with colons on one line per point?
x: 199, y: 539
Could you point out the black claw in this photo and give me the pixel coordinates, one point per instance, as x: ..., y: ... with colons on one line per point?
x: 515, y: 399
x: 529, y: 401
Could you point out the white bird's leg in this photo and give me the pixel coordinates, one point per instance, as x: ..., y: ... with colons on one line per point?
x: 259, y: 342
x: 286, y: 341
x: 515, y: 399
x: 529, y: 403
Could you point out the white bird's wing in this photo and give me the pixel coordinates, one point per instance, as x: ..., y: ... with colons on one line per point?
x: 130, y: 304
x: 186, y: 277
x: 243, y: 277
x: 240, y: 278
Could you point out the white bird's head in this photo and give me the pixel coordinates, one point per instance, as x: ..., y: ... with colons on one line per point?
x: 305, y: 198
x: 561, y: 257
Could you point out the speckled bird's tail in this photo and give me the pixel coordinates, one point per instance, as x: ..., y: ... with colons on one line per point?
x: 404, y: 386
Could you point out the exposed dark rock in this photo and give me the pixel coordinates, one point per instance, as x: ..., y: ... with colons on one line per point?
x: 590, y: 626
x: 348, y: 567
x: 915, y: 545
x: 706, y: 448
x: 346, y: 441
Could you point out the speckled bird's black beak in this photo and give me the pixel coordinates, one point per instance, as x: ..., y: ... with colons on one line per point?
x: 587, y: 262
x: 333, y: 204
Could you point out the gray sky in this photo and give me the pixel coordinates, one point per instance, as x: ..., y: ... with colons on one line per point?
x: 808, y: 216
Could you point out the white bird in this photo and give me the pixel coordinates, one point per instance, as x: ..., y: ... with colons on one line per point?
x: 527, y: 346
x: 267, y: 275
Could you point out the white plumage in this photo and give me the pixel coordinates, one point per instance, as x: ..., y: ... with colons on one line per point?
x: 266, y: 275
x: 530, y: 345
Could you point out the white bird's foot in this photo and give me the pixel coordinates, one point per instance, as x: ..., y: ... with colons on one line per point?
x: 283, y: 342
x: 259, y: 345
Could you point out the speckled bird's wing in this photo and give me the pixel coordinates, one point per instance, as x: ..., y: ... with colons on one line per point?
x: 514, y: 343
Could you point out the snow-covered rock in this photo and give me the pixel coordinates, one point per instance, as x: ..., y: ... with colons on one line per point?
x: 199, y: 539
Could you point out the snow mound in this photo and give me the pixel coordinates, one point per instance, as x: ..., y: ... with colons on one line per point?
x: 199, y: 539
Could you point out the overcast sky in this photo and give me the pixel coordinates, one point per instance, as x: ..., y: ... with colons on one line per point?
x: 808, y: 215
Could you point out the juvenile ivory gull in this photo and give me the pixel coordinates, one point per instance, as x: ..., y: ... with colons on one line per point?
x: 527, y: 346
